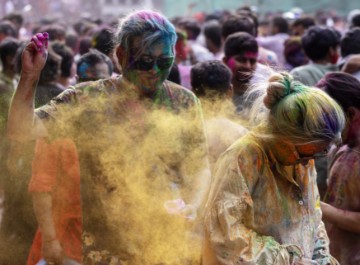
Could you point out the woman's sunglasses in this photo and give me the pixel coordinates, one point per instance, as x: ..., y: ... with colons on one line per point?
x: 146, y: 64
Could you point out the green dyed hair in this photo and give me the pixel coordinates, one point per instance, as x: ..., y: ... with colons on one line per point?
x: 297, y: 112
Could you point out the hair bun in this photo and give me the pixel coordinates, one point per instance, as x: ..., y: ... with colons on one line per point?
x: 280, y: 85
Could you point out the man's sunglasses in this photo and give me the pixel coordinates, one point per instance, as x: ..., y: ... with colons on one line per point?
x: 146, y: 64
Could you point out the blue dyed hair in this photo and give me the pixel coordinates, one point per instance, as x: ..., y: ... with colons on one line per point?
x: 151, y: 26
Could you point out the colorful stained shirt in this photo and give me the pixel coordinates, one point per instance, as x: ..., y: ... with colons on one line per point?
x: 136, y: 155
x: 343, y: 193
x: 261, y: 212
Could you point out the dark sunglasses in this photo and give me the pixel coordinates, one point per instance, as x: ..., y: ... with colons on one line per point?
x: 314, y: 156
x: 146, y: 64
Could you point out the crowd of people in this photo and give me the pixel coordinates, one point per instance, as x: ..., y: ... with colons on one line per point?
x: 212, y: 139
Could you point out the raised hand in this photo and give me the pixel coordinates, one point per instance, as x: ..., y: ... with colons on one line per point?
x: 35, y: 54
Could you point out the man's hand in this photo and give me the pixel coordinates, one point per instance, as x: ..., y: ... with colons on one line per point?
x: 34, y: 55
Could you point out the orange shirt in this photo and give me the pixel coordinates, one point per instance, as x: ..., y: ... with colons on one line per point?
x: 56, y: 170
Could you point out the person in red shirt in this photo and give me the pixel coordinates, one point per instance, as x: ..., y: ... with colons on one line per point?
x: 55, y: 187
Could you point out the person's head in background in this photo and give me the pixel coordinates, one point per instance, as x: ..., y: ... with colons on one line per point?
x: 72, y: 41
x: 103, y: 40
x: 8, y: 49
x: 68, y: 66
x: 247, y: 12
x: 16, y: 18
x: 321, y: 44
x: 345, y: 89
x: 279, y: 25
x: 211, y: 80
x: 294, y: 53
x: 350, y: 43
x: 56, y: 32
x: 52, y: 69
x: 213, y: 36
x: 7, y: 29
x: 301, y: 24
x: 191, y: 26
x: 84, y: 45
x: 181, y: 48
x: 241, y: 53
x: 93, y: 66
x: 238, y: 23
x: 306, y: 120
x: 146, y: 50
x: 355, y: 21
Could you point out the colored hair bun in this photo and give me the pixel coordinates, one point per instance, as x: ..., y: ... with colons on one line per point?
x: 280, y: 85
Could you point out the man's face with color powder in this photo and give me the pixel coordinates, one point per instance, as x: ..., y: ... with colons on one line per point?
x: 149, y: 69
x: 242, y: 66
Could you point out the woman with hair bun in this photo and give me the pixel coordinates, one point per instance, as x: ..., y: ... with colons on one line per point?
x: 264, y: 206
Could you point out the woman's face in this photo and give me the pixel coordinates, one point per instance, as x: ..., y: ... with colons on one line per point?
x: 313, y: 150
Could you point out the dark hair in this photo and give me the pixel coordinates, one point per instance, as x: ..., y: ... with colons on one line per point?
x: 238, y: 23
x: 342, y: 87
x: 318, y: 39
x: 191, y: 26
x: 51, y: 69
x: 250, y: 14
x: 355, y: 21
x: 67, y: 57
x: 174, y: 75
x: 8, y: 47
x: 84, y: 45
x: 72, y: 41
x: 210, y: 75
x: 350, y: 43
x: 17, y: 17
x: 8, y: 29
x: 92, y: 58
x: 240, y: 42
x: 281, y: 23
x: 56, y: 31
x: 294, y: 53
x: 103, y: 40
x: 306, y: 22
x: 212, y: 31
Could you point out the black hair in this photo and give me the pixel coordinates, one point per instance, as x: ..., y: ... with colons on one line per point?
x: 67, y: 57
x: 238, y: 23
x: 51, y: 69
x: 191, y: 26
x: 350, y: 43
x: 8, y: 47
x: 281, y: 23
x: 56, y: 31
x: 84, y: 45
x: 355, y: 21
x: 92, y: 58
x: 8, y: 29
x: 306, y: 22
x: 212, y: 31
x: 318, y: 39
x: 17, y: 17
x: 174, y: 75
x: 240, y: 42
x: 103, y: 40
x: 210, y: 75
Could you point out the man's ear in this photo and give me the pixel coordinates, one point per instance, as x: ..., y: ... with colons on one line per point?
x: 225, y: 60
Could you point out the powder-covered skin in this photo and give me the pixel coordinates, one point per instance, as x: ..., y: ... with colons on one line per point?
x: 343, y: 193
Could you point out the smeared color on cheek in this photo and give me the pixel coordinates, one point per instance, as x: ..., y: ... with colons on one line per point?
x: 232, y: 64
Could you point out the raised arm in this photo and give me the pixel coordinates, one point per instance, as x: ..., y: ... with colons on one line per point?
x: 21, y: 113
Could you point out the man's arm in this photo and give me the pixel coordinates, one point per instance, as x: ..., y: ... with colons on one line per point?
x: 21, y: 113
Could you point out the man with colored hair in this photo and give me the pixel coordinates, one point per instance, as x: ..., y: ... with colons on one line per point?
x: 141, y: 145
